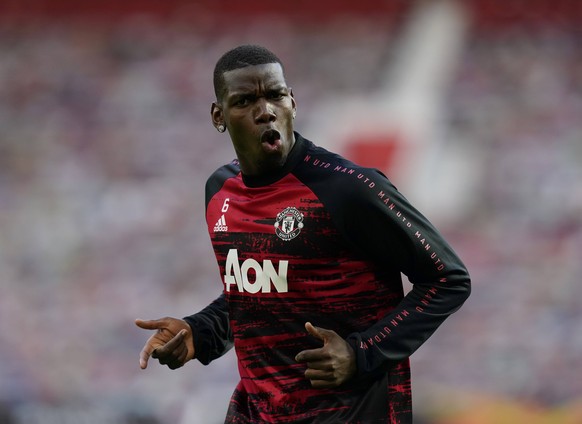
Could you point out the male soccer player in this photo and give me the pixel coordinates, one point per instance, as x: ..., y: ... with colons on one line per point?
x: 310, y: 248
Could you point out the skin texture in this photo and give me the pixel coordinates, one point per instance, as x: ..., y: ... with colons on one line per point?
x: 331, y: 365
x: 256, y: 100
x: 171, y: 344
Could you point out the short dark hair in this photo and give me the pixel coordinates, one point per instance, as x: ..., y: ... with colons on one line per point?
x: 241, y: 57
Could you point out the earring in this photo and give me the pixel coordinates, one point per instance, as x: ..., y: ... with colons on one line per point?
x: 294, y: 114
x: 221, y: 128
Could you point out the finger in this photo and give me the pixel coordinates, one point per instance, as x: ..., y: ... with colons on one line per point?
x: 323, y: 384
x: 320, y: 365
x: 314, y: 331
x: 173, y: 344
x: 180, y: 359
x: 166, y: 358
x: 312, y: 355
x: 168, y: 352
x: 321, y: 333
x: 182, y: 355
x: 175, y: 365
x: 144, y: 355
x: 151, y: 324
x: 315, y: 374
x: 175, y: 360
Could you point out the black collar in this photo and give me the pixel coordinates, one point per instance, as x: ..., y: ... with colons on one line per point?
x: 297, y: 152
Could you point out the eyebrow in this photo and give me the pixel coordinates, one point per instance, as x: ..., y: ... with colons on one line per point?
x: 243, y: 90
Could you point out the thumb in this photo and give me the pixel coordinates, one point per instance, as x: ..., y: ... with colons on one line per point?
x: 320, y: 333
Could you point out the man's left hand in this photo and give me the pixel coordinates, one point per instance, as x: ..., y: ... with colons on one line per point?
x: 331, y: 365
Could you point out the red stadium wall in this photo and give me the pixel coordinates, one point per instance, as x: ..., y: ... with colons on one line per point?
x: 489, y: 14
x: 302, y: 10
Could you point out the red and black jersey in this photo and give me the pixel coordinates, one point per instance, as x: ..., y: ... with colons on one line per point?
x: 325, y: 241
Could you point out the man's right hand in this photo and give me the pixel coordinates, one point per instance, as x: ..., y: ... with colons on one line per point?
x: 172, y: 344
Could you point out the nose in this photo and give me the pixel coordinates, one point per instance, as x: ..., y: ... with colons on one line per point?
x: 264, y: 112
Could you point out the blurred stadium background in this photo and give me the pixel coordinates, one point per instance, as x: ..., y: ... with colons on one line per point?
x: 473, y: 108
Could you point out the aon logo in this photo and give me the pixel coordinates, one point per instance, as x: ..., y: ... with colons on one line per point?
x: 265, y: 275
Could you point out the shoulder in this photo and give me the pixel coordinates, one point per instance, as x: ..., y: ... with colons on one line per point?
x: 335, y: 176
x: 219, y: 177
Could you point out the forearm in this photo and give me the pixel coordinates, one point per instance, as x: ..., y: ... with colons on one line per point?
x: 401, y: 332
x: 211, y: 331
x: 403, y: 239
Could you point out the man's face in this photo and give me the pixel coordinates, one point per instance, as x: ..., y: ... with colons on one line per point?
x: 257, y: 108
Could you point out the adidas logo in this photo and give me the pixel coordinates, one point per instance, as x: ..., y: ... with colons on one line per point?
x: 221, y: 225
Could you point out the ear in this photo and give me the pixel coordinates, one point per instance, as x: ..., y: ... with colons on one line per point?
x: 217, y: 115
x: 293, y: 102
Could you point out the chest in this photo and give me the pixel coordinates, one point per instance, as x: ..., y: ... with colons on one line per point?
x: 285, y: 221
x: 280, y: 254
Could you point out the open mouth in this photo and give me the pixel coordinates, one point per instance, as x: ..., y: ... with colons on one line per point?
x: 271, y: 137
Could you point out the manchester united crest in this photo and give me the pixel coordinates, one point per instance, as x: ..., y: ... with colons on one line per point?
x: 288, y: 224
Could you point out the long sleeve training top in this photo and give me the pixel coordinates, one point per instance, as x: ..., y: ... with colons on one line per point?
x: 323, y: 240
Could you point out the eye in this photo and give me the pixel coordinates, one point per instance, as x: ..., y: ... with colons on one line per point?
x: 276, y: 95
x: 242, y: 101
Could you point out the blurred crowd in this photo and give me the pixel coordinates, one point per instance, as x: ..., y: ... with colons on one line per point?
x: 517, y: 100
x: 105, y: 145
